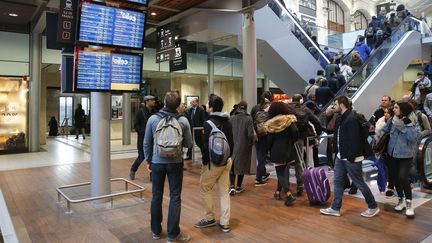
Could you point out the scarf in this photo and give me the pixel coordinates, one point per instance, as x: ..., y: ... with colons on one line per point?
x: 279, y: 123
x: 399, y: 123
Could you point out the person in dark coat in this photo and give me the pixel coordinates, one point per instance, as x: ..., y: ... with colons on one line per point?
x: 79, y: 121
x: 197, y: 116
x: 140, y: 124
x: 53, y: 127
x: 282, y: 134
x: 243, y: 136
x: 323, y: 94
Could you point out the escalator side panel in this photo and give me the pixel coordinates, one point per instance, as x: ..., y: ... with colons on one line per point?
x: 387, y: 73
x: 300, y: 64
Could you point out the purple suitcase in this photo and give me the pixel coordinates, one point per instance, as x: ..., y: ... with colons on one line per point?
x: 315, y: 181
x: 316, y: 185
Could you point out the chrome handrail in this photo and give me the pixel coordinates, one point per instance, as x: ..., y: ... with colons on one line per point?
x: 69, y: 200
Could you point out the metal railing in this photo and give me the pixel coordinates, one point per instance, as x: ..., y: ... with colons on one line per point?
x: 60, y: 193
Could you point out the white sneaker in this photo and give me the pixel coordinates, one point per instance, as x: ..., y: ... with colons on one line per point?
x: 409, y: 212
x: 400, y: 206
x: 369, y: 213
x: 330, y: 211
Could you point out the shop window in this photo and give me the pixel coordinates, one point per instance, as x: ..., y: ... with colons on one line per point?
x: 66, y: 111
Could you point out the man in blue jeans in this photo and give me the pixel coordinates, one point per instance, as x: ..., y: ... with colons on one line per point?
x: 165, y: 163
x: 349, y: 156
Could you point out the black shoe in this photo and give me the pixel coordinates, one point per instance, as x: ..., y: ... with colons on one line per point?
x: 179, y: 238
x: 277, y: 196
x: 204, y: 223
x: 299, y: 192
x: 188, y: 158
x: 260, y: 183
x: 232, y: 191
x: 83, y: 137
x: 132, y: 175
x: 289, y: 200
x: 224, y: 228
x: 156, y: 236
x: 266, y: 177
x: 76, y: 137
x: 389, y: 193
x: 239, y: 190
x: 353, y: 190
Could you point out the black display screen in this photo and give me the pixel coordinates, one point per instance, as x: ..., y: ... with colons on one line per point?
x: 105, y: 25
x: 107, y: 71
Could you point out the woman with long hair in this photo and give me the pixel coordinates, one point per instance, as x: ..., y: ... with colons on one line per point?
x: 400, y: 149
x: 282, y: 134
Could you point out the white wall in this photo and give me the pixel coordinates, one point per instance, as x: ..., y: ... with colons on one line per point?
x: 14, y: 54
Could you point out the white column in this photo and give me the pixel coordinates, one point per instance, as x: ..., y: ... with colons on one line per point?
x: 127, y: 116
x: 210, y: 70
x: 266, y: 83
x: 100, y: 144
x: 249, y: 60
x: 35, y: 91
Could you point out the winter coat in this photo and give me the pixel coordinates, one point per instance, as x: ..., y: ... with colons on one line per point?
x: 346, y: 71
x: 243, y: 137
x: 79, y: 118
x: 347, y: 137
x: 403, y: 137
x: 379, y: 126
x: 323, y: 96
x: 363, y: 50
x: 282, y: 133
x: 356, y: 62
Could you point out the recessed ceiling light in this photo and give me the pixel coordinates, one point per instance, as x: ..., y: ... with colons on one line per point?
x: 13, y: 14
x: 153, y: 13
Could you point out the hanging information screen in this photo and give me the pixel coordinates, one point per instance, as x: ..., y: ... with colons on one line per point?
x: 104, y: 71
x: 100, y: 24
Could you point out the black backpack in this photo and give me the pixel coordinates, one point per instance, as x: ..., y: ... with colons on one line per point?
x: 304, y: 127
x: 365, y: 128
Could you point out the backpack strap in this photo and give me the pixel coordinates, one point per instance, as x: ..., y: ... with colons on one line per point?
x: 211, y: 124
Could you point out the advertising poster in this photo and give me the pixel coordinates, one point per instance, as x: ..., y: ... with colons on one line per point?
x: 13, y: 115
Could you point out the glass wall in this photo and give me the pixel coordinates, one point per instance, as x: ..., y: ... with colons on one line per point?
x: 66, y: 111
x: 13, y: 115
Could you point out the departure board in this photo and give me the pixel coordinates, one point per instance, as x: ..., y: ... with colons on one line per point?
x: 106, y: 71
x: 143, y: 2
x: 100, y: 24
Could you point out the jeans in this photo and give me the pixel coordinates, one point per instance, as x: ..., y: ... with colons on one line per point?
x: 209, y: 178
x: 140, y: 147
x: 400, y: 173
x: 282, y: 172
x: 174, y: 172
x: 261, y: 154
x: 342, y: 167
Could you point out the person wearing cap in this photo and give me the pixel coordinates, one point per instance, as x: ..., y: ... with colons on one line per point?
x: 147, y: 109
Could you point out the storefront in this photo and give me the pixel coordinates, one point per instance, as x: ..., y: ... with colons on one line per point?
x: 13, y: 115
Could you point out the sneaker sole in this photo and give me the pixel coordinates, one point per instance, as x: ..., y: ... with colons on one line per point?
x: 206, y: 226
x: 330, y: 214
x: 399, y: 210
x: 263, y: 184
x: 370, y: 216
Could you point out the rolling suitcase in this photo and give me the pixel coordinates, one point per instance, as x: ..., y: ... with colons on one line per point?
x: 316, y: 183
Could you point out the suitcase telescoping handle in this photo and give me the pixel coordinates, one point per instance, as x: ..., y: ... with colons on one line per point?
x: 300, y: 156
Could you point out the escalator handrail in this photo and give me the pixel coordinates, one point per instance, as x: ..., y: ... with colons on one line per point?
x: 322, y: 55
x: 421, y: 152
x: 360, y: 70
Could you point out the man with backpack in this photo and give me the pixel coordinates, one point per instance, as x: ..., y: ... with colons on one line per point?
x: 140, y: 123
x: 218, y: 147
x: 165, y: 135
x: 350, y: 152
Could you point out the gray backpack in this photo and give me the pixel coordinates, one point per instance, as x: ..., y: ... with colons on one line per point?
x: 219, y: 149
x: 168, y: 137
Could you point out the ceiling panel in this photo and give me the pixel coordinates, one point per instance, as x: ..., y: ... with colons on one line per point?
x: 162, y: 8
x: 24, y: 11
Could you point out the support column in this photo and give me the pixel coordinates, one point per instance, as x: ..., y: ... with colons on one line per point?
x: 127, y: 116
x: 266, y: 83
x: 249, y: 60
x: 35, y: 91
x: 210, y: 69
x: 100, y: 144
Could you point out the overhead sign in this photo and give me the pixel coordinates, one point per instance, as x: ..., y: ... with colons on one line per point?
x: 180, y: 61
x: 165, y: 43
x: 66, y: 21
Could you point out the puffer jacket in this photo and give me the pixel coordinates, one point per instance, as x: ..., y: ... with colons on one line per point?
x: 282, y: 133
x: 403, y: 137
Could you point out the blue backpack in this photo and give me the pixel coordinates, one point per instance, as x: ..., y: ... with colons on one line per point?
x: 219, y: 149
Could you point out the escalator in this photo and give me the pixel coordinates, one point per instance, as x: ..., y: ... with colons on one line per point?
x: 385, y: 66
x: 285, y: 52
x: 424, y: 162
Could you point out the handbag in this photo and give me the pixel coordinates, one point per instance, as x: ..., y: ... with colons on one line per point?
x: 381, y: 145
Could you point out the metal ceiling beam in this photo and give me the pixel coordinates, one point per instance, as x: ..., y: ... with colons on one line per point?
x: 164, y: 8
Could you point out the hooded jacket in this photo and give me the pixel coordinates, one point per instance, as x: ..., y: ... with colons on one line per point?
x: 282, y: 133
x: 363, y: 49
x: 221, y: 120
